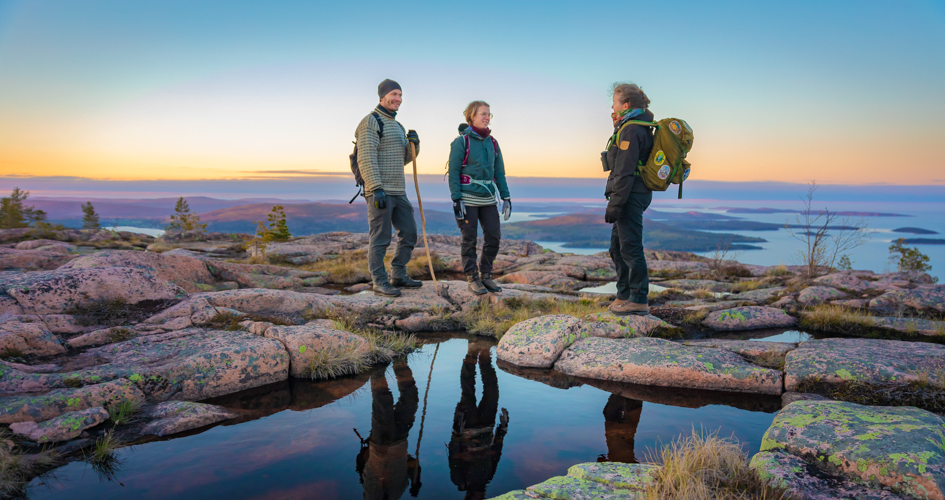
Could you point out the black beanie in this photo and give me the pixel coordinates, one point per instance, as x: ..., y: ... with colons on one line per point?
x: 386, y: 87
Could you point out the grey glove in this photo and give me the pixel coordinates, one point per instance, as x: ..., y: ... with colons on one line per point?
x: 506, y: 209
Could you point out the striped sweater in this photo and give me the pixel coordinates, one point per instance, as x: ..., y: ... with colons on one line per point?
x: 382, y: 159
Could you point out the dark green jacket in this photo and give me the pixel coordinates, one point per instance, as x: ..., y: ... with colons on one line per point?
x: 484, y: 164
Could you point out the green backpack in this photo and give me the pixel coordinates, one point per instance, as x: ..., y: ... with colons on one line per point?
x: 667, y: 163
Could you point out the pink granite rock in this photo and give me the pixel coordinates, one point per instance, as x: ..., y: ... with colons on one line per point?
x: 172, y: 417
x: 304, y: 342
x: 819, y: 294
x: 59, y: 401
x: 62, y: 428
x: 538, y: 342
x: 748, y: 318
x: 28, y: 335
x: 264, y: 301
x: 185, y: 272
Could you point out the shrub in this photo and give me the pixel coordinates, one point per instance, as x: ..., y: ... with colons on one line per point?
x: 125, y: 412
x: 908, y: 259
x: 824, y: 235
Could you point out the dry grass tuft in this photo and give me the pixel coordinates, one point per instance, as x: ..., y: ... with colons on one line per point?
x: 781, y: 270
x: 707, y: 467
x: 703, y: 293
x: 694, y: 318
x: 121, y: 334
x: 226, y: 321
x: 834, y: 318
x: 747, y: 286
x: 125, y: 412
x: 769, y: 359
x: 336, y: 361
x: 494, y: 320
x: 16, y: 470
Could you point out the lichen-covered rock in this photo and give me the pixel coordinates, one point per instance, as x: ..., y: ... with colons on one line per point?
x: 683, y: 266
x: 896, y: 447
x: 912, y: 325
x: 423, y: 299
x: 843, y: 281
x: 62, y: 428
x: 617, y: 475
x: 761, y: 294
x: 751, y: 349
x: 28, y: 335
x: 538, y: 342
x: 652, y: 361
x: 714, y: 286
x: 748, y: 318
x: 57, y: 402
x: 54, y: 292
x: 195, y: 310
x: 264, y: 301
x: 818, y: 294
x: 609, y: 325
x: 927, y: 298
x: 172, y: 417
x: 304, y: 342
x: 28, y: 260
x: 192, y: 364
x: 103, y: 336
x: 567, y: 487
x: 185, y: 272
x: 426, y: 322
x: 866, y: 360
x: 790, y: 397
x: 797, y: 477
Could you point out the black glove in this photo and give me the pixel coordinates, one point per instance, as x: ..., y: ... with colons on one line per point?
x: 610, y: 216
x: 413, y: 137
x: 459, y: 210
x: 380, y: 199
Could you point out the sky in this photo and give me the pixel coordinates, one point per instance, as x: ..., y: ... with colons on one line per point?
x: 841, y: 92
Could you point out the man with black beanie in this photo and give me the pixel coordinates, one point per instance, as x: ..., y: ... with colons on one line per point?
x: 382, y: 153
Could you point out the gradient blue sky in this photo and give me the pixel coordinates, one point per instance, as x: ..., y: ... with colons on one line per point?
x: 840, y: 91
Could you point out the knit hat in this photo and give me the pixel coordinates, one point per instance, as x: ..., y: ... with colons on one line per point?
x: 386, y: 87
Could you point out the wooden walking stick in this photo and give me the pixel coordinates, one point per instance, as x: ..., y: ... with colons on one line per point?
x: 444, y: 292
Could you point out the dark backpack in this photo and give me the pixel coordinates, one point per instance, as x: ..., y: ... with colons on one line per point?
x: 462, y: 128
x: 355, y: 169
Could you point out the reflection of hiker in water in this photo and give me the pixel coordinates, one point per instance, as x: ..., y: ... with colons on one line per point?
x: 621, y: 418
x: 475, y: 449
x: 383, y: 462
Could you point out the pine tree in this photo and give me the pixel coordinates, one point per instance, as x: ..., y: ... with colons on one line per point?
x: 278, y: 230
x: 89, y: 217
x: 12, y: 212
x: 183, y: 220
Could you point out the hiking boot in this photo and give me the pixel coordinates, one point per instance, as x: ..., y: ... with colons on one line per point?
x: 629, y: 307
x: 475, y: 286
x: 486, y: 279
x: 616, y: 303
x: 386, y: 290
x: 406, y: 282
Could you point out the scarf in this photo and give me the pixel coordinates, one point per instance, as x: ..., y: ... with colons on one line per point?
x: 621, y: 118
x: 483, y: 132
x: 386, y: 111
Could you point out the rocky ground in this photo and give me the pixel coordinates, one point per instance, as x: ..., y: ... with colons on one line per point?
x: 89, y: 324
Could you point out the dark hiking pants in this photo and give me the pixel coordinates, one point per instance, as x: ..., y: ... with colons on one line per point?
x: 626, y: 249
x: 488, y: 218
x: 399, y: 213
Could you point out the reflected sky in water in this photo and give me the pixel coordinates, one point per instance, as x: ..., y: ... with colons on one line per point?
x: 297, y: 439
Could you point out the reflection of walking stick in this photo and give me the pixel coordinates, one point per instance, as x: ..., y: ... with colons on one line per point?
x: 423, y: 416
x: 423, y: 221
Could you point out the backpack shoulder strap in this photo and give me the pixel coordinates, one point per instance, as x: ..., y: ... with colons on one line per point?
x: 466, y: 145
x: 380, y: 125
x: 636, y: 122
x: 495, y: 145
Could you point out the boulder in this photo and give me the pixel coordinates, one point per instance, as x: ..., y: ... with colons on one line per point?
x: 609, y: 325
x: 652, y: 361
x: 185, y: 272
x: 195, y: 310
x: 747, y: 348
x: 59, y: 401
x: 53, y: 292
x: 761, y: 294
x: 866, y: 360
x: 683, y: 266
x: 748, y: 318
x: 926, y: 298
x: 843, y: 281
x: 795, y: 475
x: 103, y: 336
x: 538, y: 342
x: 686, y: 284
x: 45, y: 259
x: 34, y: 244
x: 814, y: 295
x: 423, y: 299
x: 63, y: 323
x: 192, y: 364
x: 28, y: 335
x: 550, y: 279
x: 896, y: 447
x: 305, y: 342
x: 172, y: 417
x: 263, y: 301
x: 790, y: 397
x: 62, y: 428
x: 912, y: 325
x: 8, y: 305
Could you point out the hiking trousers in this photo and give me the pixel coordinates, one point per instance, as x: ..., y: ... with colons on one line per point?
x: 399, y: 213
x: 626, y: 249
x: 488, y: 218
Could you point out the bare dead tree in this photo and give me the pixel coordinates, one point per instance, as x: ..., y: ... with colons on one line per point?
x: 825, y: 235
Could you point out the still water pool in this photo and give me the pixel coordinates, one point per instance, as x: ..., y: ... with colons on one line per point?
x: 447, y: 422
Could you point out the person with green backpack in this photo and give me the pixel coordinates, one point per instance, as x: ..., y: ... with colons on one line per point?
x: 628, y: 196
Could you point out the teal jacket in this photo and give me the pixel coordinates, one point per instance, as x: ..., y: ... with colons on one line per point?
x: 484, y: 164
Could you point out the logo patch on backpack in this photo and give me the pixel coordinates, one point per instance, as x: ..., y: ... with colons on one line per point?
x: 663, y: 172
x: 685, y: 174
x: 660, y: 158
x: 674, y: 127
